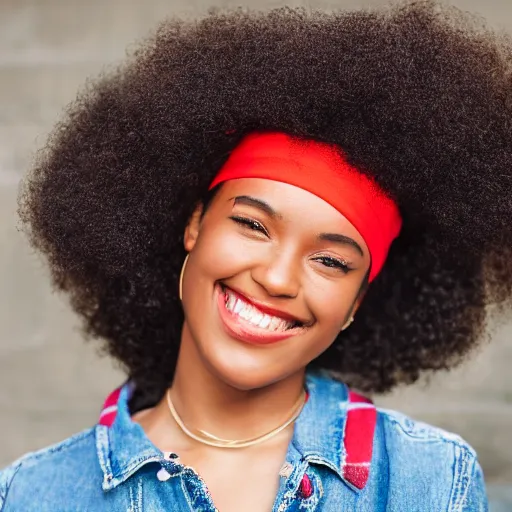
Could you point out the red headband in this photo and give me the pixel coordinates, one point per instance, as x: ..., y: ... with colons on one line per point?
x: 320, y: 169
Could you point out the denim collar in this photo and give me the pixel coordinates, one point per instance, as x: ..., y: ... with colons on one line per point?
x: 123, y: 447
x: 320, y: 429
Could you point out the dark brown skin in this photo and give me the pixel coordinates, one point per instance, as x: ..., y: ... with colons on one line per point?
x: 283, y: 269
x: 237, y: 390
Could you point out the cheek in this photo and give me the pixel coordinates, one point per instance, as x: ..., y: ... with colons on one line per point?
x: 332, y: 304
x: 223, y: 252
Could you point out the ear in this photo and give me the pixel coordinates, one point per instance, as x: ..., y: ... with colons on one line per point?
x: 351, y: 316
x: 358, y: 302
x: 192, y: 228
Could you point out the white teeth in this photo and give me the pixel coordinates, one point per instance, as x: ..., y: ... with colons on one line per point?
x: 231, y: 302
x: 265, y: 321
x: 285, y: 325
x: 254, y: 316
x: 245, y: 313
x: 238, y: 306
x: 275, y: 324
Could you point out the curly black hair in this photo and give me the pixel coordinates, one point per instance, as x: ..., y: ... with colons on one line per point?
x: 418, y: 95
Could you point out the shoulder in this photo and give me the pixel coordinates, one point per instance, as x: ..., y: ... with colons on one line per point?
x: 403, y: 426
x: 53, y: 469
x: 433, y: 460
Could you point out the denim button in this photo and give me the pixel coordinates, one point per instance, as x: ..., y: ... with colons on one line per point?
x: 163, y: 475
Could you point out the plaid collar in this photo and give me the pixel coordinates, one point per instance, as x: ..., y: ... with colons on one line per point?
x: 335, y: 428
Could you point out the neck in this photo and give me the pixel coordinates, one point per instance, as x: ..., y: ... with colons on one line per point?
x: 205, y: 401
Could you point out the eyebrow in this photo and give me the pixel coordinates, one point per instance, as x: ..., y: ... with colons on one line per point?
x: 341, y: 239
x: 265, y: 207
x: 257, y: 203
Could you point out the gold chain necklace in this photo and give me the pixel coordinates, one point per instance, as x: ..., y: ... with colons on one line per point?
x: 211, y: 440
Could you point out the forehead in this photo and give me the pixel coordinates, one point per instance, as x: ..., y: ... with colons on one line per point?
x: 293, y: 205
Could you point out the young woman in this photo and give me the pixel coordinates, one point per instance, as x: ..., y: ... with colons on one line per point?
x: 254, y: 212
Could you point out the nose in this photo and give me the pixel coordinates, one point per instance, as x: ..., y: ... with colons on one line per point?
x: 279, y: 276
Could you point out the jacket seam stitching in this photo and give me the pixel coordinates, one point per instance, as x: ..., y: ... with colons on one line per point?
x: 56, y: 449
x: 386, y: 451
x: 461, y: 494
x: 436, y: 437
x: 9, y: 486
x: 102, y: 460
x: 186, y: 493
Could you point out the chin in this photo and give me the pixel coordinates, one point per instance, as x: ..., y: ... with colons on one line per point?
x: 244, y: 371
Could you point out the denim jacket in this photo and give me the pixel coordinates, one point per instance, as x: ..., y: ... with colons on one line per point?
x: 345, y: 455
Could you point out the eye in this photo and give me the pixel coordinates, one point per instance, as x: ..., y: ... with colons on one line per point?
x: 251, y: 224
x: 334, y: 263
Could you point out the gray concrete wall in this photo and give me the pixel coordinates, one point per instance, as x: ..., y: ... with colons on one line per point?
x: 51, y: 383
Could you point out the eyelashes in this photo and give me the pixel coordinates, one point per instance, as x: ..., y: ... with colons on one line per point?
x: 251, y: 224
x: 335, y: 263
x: 327, y: 261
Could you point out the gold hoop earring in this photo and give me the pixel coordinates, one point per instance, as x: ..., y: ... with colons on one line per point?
x: 181, y: 277
x: 349, y: 321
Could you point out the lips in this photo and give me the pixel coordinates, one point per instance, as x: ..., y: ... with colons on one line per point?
x: 264, y: 308
x: 244, y: 320
x: 254, y: 315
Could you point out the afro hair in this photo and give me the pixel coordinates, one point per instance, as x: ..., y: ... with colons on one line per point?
x: 418, y: 96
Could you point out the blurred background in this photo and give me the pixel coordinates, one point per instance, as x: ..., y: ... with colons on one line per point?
x: 52, y: 384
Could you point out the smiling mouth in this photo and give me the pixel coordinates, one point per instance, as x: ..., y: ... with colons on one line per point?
x: 255, y: 317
